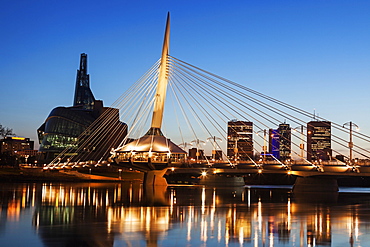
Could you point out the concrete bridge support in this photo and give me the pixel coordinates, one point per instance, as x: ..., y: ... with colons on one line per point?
x: 155, y: 178
x: 322, y: 184
x: 155, y: 186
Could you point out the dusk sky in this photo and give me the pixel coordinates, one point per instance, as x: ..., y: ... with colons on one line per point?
x: 311, y: 54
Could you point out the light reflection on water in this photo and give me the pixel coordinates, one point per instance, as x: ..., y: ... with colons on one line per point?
x: 126, y: 214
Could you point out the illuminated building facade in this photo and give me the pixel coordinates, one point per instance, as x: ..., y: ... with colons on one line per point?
x: 64, y: 125
x: 274, y: 143
x: 16, y: 150
x: 285, y: 138
x: 240, y: 140
x: 319, y: 140
x: 280, y: 142
x: 12, y: 145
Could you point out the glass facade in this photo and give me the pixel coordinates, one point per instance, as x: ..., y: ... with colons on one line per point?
x: 89, y: 134
x: 62, y: 127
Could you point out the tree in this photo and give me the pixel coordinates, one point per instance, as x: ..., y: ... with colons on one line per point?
x: 5, y: 131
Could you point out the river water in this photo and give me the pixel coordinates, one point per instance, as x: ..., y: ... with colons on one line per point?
x: 126, y: 214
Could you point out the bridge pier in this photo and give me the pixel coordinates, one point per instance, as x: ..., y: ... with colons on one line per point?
x: 155, y: 178
x: 320, y: 184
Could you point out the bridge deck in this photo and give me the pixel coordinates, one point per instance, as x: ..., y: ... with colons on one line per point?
x: 299, y: 170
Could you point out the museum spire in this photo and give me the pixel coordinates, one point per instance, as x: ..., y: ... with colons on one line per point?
x: 83, y: 95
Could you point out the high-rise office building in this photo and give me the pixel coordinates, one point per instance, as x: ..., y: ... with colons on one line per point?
x: 240, y: 140
x: 280, y: 142
x: 319, y: 140
x: 285, y: 141
x: 274, y: 143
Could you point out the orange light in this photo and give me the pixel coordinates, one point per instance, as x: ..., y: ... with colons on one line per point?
x: 18, y: 138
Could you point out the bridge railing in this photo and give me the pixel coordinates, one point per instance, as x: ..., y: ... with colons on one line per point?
x: 274, y: 162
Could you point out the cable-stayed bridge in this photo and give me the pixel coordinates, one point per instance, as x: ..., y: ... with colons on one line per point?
x: 179, y: 115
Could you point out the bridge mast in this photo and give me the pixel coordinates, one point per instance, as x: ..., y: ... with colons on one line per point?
x: 160, y: 96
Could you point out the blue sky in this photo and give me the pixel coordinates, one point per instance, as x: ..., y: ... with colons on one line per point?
x: 311, y: 54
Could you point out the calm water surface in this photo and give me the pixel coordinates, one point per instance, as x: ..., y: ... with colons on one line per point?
x: 126, y: 214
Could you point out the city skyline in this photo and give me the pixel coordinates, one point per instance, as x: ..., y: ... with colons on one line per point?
x: 311, y: 55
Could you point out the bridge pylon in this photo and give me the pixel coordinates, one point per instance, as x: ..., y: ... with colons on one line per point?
x: 154, y: 153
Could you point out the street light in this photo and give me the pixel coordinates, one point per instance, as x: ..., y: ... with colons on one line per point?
x: 185, y: 144
x: 198, y: 142
x: 350, y: 143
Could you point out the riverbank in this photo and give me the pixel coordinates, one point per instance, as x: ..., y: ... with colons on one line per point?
x: 10, y: 174
x: 40, y: 175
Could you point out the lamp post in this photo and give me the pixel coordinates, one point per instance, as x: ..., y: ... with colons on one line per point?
x: 214, y: 138
x: 350, y: 143
x: 185, y: 144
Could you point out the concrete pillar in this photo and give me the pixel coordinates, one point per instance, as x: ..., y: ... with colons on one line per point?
x: 155, y: 178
